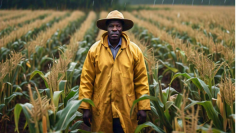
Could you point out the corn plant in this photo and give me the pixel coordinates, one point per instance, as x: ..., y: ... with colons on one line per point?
x: 165, y: 103
x: 9, y: 72
x: 9, y: 26
x: 20, y: 43
x: 43, y: 113
x: 61, y: 113
x: 191, y: 80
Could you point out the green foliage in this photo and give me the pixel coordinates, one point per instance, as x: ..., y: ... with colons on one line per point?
x: 68, y: 112
x: 66, y: 116
x: 17, y: 112
x: 148, y: 124
x: 166, y: 105
x: 19, y: 44
x: 9, y: 29
x: 60, y: 119
x: 16, y: 82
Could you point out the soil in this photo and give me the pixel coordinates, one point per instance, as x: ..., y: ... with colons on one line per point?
x: 66, y: 41
x: 10, y: 127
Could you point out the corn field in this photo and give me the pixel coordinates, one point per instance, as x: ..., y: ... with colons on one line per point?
x: 189, y: 53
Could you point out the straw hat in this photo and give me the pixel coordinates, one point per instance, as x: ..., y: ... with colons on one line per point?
x: 115, y: 15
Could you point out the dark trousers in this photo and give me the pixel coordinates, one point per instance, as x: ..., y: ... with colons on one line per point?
x: 117, y: 128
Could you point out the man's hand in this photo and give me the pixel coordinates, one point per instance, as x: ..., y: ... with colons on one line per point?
x: 87, y: 117
x: 141, y: 116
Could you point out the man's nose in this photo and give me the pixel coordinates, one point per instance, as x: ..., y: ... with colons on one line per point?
x: 114, y: 28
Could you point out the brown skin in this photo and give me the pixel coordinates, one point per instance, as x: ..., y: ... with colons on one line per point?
x: 114, y: 28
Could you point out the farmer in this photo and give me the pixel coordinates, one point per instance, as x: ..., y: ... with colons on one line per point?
x: 113, y: 76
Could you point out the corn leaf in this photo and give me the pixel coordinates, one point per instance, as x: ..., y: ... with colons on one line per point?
x: 62, y: 85
x: 178, y: 100
x: 215, y: 90
x: 165, y: 96
x: 80, y: 131
x: 211, y: 112
x: 25, y: 82
x: 68, y: 112
x: 47, y: 91
x: 196, y: 81
x: 71, y: 68
x: 75, y: 97
x: 180, y: 74
x: 41, y: 75
x: 45, y: 59
x: 26, y: 124
x: 15, y: 74
x: 76, y: 125
x: 203, y: 129
x: 173, y: 55
x: 159, y: 106
x: 201, y: 84
x: 183, y: 66
x: 144, y: 97
x: 76, y: 114
x: 56, y: 96
x: 17, y: 88
x: 168, y: 105
x: 154, y: 111
x: 17, y: 112
x: 70, y: 95
x: 1, y: 106
x: 8, y: 99
x: 148, y: 124
x: 167, y: 114
x: 175, y: 70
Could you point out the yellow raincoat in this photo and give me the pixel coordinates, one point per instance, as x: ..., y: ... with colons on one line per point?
x: 113, y: 85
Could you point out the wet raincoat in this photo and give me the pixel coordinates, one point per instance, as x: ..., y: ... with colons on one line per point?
x: 113, y: 85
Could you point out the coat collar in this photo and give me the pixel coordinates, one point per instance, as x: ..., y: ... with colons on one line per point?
x: 124, y: 43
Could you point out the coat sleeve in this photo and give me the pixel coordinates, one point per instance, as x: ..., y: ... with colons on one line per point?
x: 87, y: 80
x: 141, y: 82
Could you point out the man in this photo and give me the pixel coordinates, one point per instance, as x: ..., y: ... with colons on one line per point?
x: 113, y: 76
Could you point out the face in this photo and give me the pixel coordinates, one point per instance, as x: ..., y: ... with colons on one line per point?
x: 114, y: 29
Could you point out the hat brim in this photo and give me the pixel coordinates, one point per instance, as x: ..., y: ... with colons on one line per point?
x: 128, y: 24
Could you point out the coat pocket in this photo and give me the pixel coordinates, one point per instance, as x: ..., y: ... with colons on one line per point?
x: 130, y: 99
